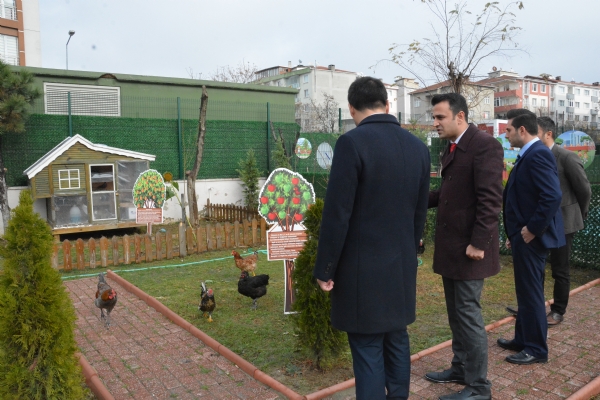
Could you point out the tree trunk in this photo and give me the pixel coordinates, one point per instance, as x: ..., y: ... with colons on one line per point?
x: 4, y: 208
x: 193, y: 173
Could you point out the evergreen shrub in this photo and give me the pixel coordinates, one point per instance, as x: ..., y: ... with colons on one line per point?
x: 316, y: 336
x: 37, y: 344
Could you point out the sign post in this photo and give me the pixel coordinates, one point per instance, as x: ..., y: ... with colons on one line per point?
x: 149, y: 197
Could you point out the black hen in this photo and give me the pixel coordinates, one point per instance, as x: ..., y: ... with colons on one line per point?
x: 253, y: 286
x: 106, y: 298
x: 421, y: 248
x: 207, y: 302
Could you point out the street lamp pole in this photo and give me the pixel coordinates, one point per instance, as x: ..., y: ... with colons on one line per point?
x: 71, y: 33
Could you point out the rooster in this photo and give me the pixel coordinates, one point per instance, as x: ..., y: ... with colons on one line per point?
x: 253, y: 286
x: 246, y: 264
x: 421, y: 248
x: 207, y: 302
x: 106, y: 298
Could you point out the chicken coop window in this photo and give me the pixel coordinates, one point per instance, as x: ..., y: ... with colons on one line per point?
x: 68, y: 179
x: 127, y: 174
x: 102, y: 183
x: 69, y: 210
x: 104, y: 101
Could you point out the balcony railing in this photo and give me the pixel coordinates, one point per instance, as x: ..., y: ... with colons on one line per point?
x: 570, y: 96
x: 570, y: 109
x: 506, y: 93
x: 500, y: 109
x: 593, y: 112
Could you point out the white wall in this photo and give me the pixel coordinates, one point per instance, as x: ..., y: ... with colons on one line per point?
x: 31, y: 32
x: 219, y: 191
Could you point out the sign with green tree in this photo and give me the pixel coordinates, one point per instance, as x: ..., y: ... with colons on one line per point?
x: 149, y: 193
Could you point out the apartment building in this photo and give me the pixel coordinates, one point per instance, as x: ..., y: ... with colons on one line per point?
x: 575, y: 103
x: 479, y: 98
x: 403, y: 103
x: 20, y: 42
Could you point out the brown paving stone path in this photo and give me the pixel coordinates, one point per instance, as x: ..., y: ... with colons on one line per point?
x: 573, y: 360
x: 145, y: 356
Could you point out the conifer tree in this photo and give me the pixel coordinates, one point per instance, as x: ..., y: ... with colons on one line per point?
x: 280, y: 158
x: 249, y: 174
x: 316, y: 336
x: 37, y: 344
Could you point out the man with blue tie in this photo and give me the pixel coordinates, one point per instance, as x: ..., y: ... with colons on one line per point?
x: 533, y: 225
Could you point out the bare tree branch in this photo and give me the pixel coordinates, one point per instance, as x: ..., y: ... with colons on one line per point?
x: 244, y: 72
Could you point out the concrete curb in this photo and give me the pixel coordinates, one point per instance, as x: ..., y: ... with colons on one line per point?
x: 92, y: 380
x: 210, y: 342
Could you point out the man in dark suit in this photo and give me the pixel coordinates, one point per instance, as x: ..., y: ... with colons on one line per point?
x: 373, y: 219
x: 466, y: 239
x: 576, y: 194
x: 533, y: 224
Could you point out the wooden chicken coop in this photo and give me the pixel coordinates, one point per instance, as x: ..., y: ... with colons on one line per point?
x: 87, y: 186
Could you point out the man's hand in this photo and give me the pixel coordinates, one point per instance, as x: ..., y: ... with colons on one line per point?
x: 325, y: 286
x: 507, y: 243
x: 527, y: 236
x: 474, y: 253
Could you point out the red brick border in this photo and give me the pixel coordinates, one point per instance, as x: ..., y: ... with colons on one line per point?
x: 92, y: 380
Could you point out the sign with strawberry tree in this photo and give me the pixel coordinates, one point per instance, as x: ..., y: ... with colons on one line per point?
x: 284, y: 200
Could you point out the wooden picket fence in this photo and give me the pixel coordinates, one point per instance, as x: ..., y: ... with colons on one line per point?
x: 147, y: 248
x: 229, y: 212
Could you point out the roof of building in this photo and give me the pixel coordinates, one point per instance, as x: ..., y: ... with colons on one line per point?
x: 446, y: 84
x: 63, y: 146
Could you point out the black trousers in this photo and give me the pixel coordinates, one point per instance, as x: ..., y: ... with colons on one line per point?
x: 469, y: 338
x: 559, y: 263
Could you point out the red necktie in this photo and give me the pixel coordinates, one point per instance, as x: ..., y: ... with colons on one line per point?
x: 452, y: 147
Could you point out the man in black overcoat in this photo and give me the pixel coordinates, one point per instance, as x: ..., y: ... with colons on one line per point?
x: 466, y: 239
x: 373, y: 219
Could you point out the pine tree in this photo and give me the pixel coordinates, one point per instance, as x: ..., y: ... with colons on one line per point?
x: 316, y: 336
x: 37, y: 344
x: 249, y: 174
x: 280, y: 158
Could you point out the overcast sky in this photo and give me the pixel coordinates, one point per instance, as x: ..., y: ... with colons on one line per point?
x: 170, y: 37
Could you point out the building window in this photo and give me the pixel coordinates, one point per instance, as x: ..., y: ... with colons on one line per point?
x: 526, y: 87
x: 417, y: 103
x: 104, y: 101
x: 595, y: 93
x: 570, y: 116
x: 486, y: 100
x: 586, y: 118
x: 305, y: 78
x: 561, y: 89
x: 534, y: 87
x: 543, y: 88
x: 306, y: 93
x: 586, y: 92
x: 534, y: 102
x: 8, y: 9
x: 570, y: 103
x: 586, y: 105
x: 577, y: 91
x: 577, y: 118
x: 577, y: 104
x: 68, y: 179
x: 561, y: 103
x: 496, y: 102
x: 9, y: 49
x: 486, y: 115
x: 543, y: 101
x: 526, y: 102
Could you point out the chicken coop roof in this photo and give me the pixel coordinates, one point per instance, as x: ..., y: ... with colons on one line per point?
x: 71, y: 141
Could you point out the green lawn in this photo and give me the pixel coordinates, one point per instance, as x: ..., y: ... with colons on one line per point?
x: 265, y: 337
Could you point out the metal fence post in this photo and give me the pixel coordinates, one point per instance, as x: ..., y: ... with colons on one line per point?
x: 340, y: 119
x: 69, y: 111
x: 180, y: 138
x: 400, y: 118
x: 268, y: 135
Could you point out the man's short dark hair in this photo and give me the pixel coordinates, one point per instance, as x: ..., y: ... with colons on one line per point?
x: 526, y: 120
x: 456, y: 102
x: 367, y: 93
x: 516, y: 112
x: 547, y: 125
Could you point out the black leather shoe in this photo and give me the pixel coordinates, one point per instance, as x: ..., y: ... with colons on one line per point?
x: 554, y: 318
x: 446, y: 376
x: 509, y: 345
x: 465, y: 394
x: 523, y: 358
x: 513, y: 310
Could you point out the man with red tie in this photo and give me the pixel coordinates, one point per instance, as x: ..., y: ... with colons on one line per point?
x: 466, y: 239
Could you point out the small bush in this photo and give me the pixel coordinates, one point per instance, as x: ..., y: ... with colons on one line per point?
x: 249, y: 174
x: 37, y: 345
x: 316, y: 336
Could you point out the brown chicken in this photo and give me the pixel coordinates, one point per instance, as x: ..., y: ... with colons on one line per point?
x: 247, y: 263
x: 207, y: 302
x: 106, y: 298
